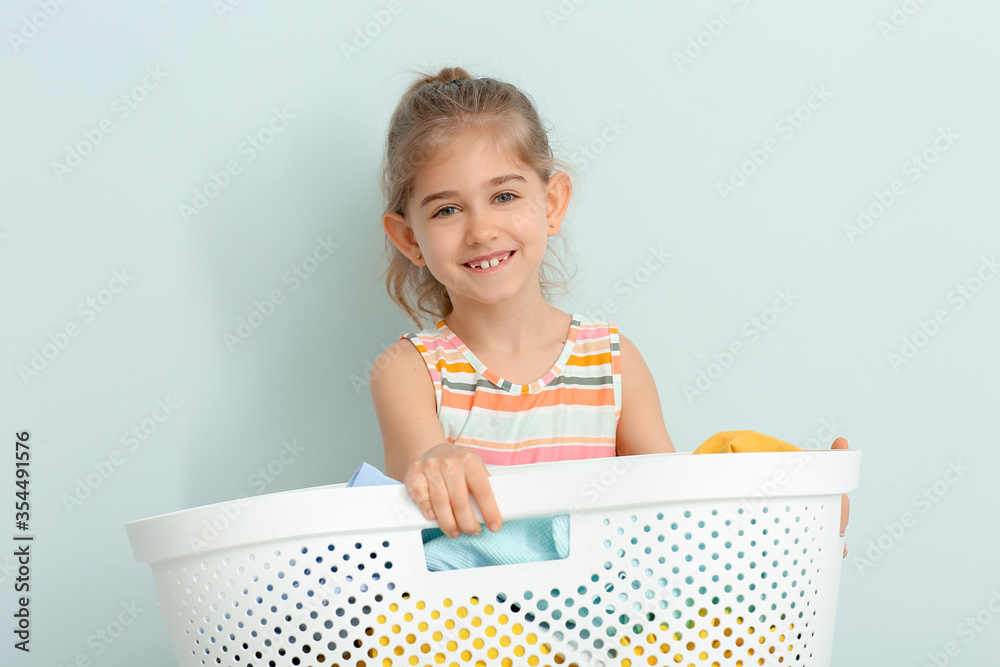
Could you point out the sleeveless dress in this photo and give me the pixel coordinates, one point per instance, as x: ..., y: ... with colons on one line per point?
x: 571, y: 412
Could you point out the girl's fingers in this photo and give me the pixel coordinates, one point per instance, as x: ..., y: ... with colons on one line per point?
x: 443, y: 494
x: 482, y: 491
x: 845, y: 512
x: 458, y: 491
x: 845, y: 502
x: 441, y: 502
x: 417, y: 487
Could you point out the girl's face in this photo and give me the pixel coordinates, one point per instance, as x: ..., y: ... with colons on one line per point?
x: 476, y: 204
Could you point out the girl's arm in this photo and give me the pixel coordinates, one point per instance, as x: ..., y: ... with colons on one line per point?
x: 405, y: 407
x: 439, y: 475
x: 640, y: 426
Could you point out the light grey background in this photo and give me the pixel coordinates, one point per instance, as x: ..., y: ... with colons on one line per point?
x: 892, y: 78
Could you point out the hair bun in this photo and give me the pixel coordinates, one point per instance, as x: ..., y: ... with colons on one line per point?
x: 449, y: 74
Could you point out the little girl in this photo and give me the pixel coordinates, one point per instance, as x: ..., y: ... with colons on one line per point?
x: 472, y: 194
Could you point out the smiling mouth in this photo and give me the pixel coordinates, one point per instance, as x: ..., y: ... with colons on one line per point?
x: 490, y: 265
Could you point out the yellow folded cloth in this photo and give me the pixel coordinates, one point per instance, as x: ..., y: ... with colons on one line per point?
x: 743, y: 441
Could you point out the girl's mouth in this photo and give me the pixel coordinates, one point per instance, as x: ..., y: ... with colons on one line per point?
x: 491, y: 266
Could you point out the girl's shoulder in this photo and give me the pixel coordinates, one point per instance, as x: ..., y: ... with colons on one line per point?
x: 434, y: 343
x: 595, y: 326
x: 425, y: 335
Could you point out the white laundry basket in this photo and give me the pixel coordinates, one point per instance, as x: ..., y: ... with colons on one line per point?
x: 675, y: 559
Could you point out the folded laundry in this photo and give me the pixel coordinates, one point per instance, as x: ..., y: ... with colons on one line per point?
x: 539, y: 538
x: 743, y: 441
x: 369, y: 475
x: 518, y: 541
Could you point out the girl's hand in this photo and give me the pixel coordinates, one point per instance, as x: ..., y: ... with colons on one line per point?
x: 845, y: 502
x: 440, y: 482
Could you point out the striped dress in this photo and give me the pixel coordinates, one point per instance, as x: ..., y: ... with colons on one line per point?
x: 571, y: 412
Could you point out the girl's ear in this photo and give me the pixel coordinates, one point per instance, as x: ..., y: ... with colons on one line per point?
x: 557, y: 196
x: 401, y: 235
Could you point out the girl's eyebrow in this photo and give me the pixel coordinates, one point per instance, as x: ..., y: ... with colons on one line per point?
x: 492, y: 183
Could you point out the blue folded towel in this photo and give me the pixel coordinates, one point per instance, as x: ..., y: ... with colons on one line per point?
x: 518, y: 541
x: 368, y: 475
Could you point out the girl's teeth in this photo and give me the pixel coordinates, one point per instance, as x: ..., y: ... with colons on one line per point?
x: 489, y: 264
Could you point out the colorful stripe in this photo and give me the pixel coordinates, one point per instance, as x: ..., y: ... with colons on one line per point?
x: 571, y: 412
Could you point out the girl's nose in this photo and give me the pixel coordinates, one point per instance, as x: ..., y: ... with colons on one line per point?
x: 480, y: 227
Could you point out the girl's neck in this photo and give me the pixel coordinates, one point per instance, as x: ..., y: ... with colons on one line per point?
x: 508, y: 329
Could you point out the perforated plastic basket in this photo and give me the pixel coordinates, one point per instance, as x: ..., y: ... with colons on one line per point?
x: 675, y: 559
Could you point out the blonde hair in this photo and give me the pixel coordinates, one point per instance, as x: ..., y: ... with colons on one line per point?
x: 435, y: 108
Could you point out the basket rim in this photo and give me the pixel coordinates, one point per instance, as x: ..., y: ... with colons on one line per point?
x: 558, y: 487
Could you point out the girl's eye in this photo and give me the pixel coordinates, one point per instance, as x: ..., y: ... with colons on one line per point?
x: 511, y: 198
